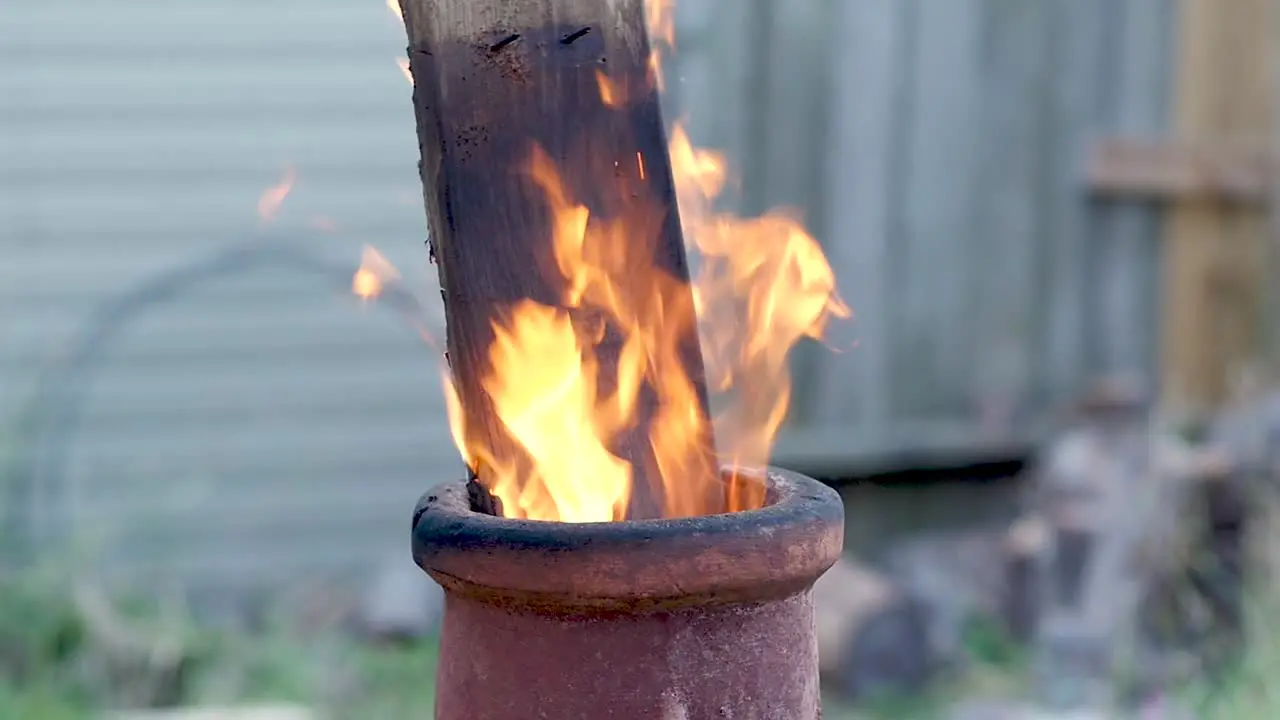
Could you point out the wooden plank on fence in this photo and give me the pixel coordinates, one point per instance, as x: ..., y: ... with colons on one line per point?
x: 1125, y: 244
x: 1009, y: 212
x: 860, y: 170
x: 1271, y: 253
x: 1141, y: 169
x: 791, y: 127
x: 1076, y: 34
x: 1213, y: 262
x: 930, y: 257
x: 722, y: 117
x: 790, y: 148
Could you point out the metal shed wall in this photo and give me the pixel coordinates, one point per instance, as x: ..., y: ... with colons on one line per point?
x: 240, y: 419
x: 938, y: 149
x: 204, y: 399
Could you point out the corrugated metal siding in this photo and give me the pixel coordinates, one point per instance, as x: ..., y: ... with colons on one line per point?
x: 247, y: 420
x: 937, y: 148
x: 245, y: 424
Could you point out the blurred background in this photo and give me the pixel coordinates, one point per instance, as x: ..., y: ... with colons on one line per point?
x: 1049, y: 217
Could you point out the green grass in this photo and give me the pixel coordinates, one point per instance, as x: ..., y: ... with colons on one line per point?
x: 50, y: 669
x: 1250, y: 691
x: 53, y: 668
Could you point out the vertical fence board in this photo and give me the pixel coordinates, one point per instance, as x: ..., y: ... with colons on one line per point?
x: 867, y: 75
x: 1212, y: 273
x: 931, y: 349
x: 789, y: 128
x: 1125, y: 247
x: 1010, y: 205
x: 935, y: 145
x: 721, y: 63
x: 1075, y: 33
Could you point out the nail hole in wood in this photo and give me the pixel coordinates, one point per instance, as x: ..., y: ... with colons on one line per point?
x: 574, y: 36
x: 504, y: 42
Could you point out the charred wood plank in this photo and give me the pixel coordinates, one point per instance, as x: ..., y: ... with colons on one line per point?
x: 492, y: 78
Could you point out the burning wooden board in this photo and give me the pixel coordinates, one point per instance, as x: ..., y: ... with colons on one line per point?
x: 579, y: 392
x: 554, y: 223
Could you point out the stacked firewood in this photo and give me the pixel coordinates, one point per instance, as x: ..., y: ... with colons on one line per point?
x: 1139, y: 574
x: 1127, y: 562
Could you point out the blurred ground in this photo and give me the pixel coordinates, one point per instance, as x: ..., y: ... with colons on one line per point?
x: 65, y: 653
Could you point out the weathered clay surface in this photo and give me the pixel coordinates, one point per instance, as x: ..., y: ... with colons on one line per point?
x: 707, y: 617
x: 754, y: 661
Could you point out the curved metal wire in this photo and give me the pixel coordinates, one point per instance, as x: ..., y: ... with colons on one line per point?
x: 49, y: 420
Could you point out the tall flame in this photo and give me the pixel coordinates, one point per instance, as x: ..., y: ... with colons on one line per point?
x: 551, y: 407
x: 660, y: 16
x: 763, y: 285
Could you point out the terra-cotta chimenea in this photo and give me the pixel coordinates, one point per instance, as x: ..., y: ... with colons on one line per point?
x: 671, y: 619
x: 606, y: 568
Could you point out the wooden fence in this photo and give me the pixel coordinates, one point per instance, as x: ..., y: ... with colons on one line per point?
x: 233, y: 398
x: 940, y: 150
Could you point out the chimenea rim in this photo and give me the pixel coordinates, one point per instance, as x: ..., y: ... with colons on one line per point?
x: 635, y: 565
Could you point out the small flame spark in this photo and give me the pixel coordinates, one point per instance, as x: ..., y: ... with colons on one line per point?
x: 374, y: 273
x: 611, y: 94
x: 324, y: 224
x: 273, y: 197
x: 402, y: 62
x: 369, y: 282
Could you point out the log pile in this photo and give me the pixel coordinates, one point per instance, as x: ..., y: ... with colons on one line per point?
x: 1127, y: 562
x: 1139, y: 574
x: 872, y: 635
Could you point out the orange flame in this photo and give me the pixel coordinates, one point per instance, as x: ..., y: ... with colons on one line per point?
x: 549, y: 408
x: 368, y: 283
x: 763, y: 285
x: 660, y: 16
x: 611, y: 94
x: 273, y: 197
x: 374, y: 273
x: 402, y: 62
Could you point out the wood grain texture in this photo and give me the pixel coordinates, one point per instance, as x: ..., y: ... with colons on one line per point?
x: 491, y: 80
x: 1271, y: 288
x: 1076, y: 34
x: 1147, y: 169
x: 930, y: 359
x: 1013, y: 135
x: 1126, y: 240
x: 868, y: 77
x: 1212, y: 278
